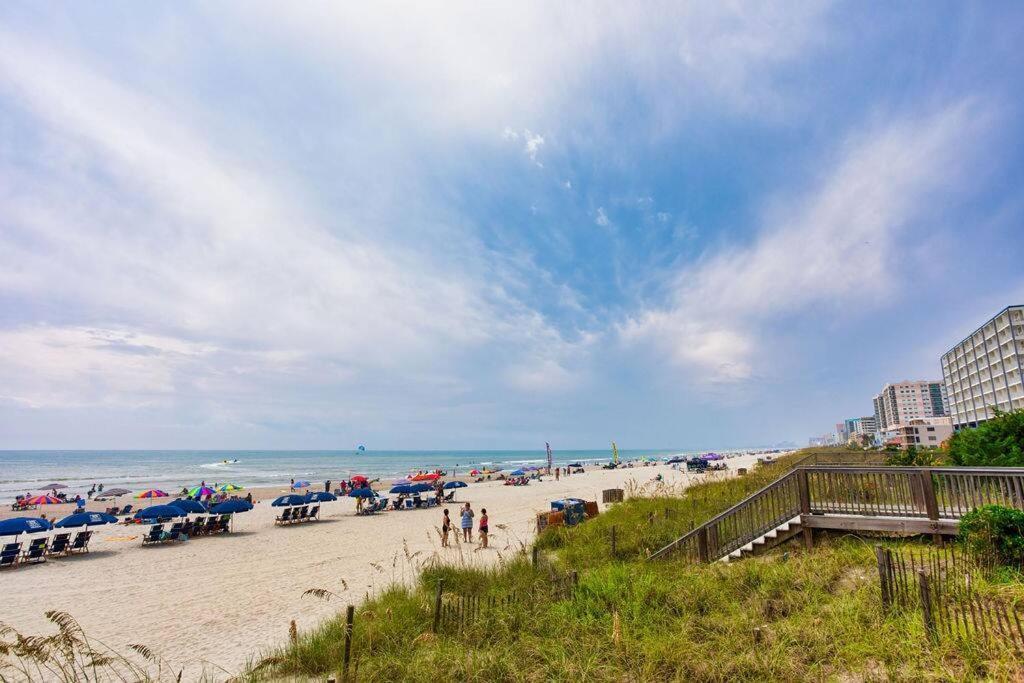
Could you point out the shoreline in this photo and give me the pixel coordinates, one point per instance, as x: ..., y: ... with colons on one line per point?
x: 224, y: 599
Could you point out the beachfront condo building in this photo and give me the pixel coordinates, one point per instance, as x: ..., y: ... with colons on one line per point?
x: 983, y: 372
x: 925, y: 432
x: 901, y: 402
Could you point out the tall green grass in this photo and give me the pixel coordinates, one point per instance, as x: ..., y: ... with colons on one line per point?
x: 788, y: 615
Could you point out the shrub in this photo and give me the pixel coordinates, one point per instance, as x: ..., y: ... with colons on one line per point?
x: 995, y: 534
x: 912, y: 457
x: 999, y: 442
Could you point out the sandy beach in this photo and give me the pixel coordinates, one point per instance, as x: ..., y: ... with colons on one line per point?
x: 213, y: 602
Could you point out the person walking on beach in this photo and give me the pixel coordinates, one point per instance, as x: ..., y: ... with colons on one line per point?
x: 327, y: 486
x: 446, y: 526
x: 557, y: 470
x: 467, y: 523
x: 483, y: 527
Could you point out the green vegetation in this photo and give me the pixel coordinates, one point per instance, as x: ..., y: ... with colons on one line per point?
x: 995, y: 534
x: 913, y: 456
x: 788, y: 615
x: 998, y: 442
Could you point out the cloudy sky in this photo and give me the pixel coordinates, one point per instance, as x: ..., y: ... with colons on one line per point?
x: 484, y: 225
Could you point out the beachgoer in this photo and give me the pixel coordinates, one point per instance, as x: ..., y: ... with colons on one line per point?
x: 467, y: 523
x: 446, y: 526
x: 327, y: 486
x: 557, y: 470
x: 293, y: 483
x: 248, y: 497
x: 483, y: 527
x: 359, y: 504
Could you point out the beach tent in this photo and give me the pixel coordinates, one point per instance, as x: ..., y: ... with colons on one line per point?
x: 159, y: 511
x: 152, y: 493
x: 43, y: 500
x: 287, y: 500
x: 86, y: 519
x: 231, y: 507
x: 320, y: 497
x: 23, y: 525
x: 189, y: 505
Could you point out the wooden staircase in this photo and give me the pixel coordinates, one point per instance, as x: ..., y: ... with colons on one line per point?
x: 895, y: 500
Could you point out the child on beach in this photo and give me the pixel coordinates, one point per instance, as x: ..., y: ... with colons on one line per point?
x: 446, y: 526
x: 483, y: 527
x: 467, y: 524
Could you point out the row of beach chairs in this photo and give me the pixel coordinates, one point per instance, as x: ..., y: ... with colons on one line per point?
x: 120, y: 512
x: 378, y: 505
x: 182, y: 531
x: 39, y: 549
x: 294, y: 515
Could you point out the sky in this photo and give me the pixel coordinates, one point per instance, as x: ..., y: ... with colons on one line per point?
x: 490, y: 225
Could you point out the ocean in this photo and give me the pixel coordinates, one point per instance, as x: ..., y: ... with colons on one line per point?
x: 31, y: 471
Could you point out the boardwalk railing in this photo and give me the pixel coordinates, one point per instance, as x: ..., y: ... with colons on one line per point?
x: 865, y: 498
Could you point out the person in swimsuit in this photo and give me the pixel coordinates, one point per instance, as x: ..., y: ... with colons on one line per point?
x: 467, y: 524
x: 483, y: 527
x: 446, y: 526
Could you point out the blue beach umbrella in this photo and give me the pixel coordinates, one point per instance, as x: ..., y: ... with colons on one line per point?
x: 366, y: 492
x: 23, y: 525
x: 231, y: 506
x: 300, y: 485
x: 189, y: 505
x: 403, y: 488
x: 86, y: 519
x: 159, y: 511
x: 456, y: 485
x: 320, y: 497
x: 421, y: 488
x: 287, y: 500
x: 517, y: 473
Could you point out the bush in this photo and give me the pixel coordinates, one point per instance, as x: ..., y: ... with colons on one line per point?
x: 995, y: 534
x: 998, y: 442
x: 912, y: 457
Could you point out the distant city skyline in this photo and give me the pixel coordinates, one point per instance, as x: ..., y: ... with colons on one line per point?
x: 671, y: 225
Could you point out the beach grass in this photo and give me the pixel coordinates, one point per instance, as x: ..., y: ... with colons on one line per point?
x: 787, y: 615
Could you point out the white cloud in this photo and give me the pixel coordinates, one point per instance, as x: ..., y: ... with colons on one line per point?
x: 533, y: 144
x: 839, y: 245
x: 602, y: 218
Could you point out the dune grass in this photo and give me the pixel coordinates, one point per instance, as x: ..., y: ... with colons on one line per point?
x: 788, y: 615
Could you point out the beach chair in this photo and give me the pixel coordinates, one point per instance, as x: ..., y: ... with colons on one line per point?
x: 285, y: 517
x: 199, y: 525
x: 417, y: 501
x: 224, y: 524
x: 303, y: 514
x: 127, y: 510
x: 174, y: 533
x: 59, y: 544
x: 9, y: 555
x: 154, y: 535
x: 450, y: 496
x: 114, y: 510
x: 36, y: 551
x: 314, y: 513
x: 81, y: 543
x: 409, y: 504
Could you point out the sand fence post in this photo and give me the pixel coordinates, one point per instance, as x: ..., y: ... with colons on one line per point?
x: 350, y: 615
x: 534, y: 552
x: 613, y: 540
x: 926, y: 604
x: 437, y: 604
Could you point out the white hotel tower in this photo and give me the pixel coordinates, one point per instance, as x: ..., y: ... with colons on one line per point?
x: 984, y: 370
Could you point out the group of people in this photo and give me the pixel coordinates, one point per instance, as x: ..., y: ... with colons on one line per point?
x: 466, y: 521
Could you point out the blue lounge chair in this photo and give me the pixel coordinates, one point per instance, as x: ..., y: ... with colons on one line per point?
x: 81, y: 543
x: 174, y: 533
x: 285, y: 517
x: 154, y: 535
x: 224, y: 524
x: 36, y: 551
x: 409, y: 504
x: 314, y: 513
x: 127, y: 510
x: 9, y: 555
x: 303, y: 514
x: 59, y: 544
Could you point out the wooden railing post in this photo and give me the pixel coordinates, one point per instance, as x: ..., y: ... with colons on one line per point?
x: 702, y: 544
x: 805, y: 505
x: 931, y: 503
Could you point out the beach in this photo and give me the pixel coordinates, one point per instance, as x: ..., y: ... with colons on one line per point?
x: 213, y: 602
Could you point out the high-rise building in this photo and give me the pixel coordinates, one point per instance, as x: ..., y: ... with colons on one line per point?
x: 983, y: 372
x: 902, y: 402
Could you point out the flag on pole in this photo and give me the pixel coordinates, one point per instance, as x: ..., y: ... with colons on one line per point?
x: 615, y: 453
x: 548, y: 446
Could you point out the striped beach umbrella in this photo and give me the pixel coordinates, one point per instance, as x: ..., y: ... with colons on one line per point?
x: 201, y: 491
x: 152, y: 493
x: 228, y: 488
x: 43, y: 500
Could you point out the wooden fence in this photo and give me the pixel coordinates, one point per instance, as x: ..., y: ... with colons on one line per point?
x: 937, y: 582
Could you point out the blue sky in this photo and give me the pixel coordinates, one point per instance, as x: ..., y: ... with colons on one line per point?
x: 462, y: 225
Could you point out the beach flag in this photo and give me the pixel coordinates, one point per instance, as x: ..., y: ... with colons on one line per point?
x: 548, y: 446
x: 615, y: 453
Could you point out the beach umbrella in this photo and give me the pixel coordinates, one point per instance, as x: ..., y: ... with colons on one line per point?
x: 188, y: 505
x: 574, y: 464
x: 456, y: 485
x: 366, y: 492
x: 24, y: 525
x: 300, y: 484
x: 517, y: 473
x: 113, y: 493
x: 50, y: 487
x: 86, y: 519
x: 429, y: 476
x: 152, y: 493
x: 421, y: 488
x: 320, y: 497
x: 402, y: 488
x: 231, y: 507
x: 677, y: 459
x: 358, y: 477
x: 228, y: 488
x: 290, y: 499
x: 43, y: 500
x: 158, y: 511
x: 200, y: 491
x: 474, y: 472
